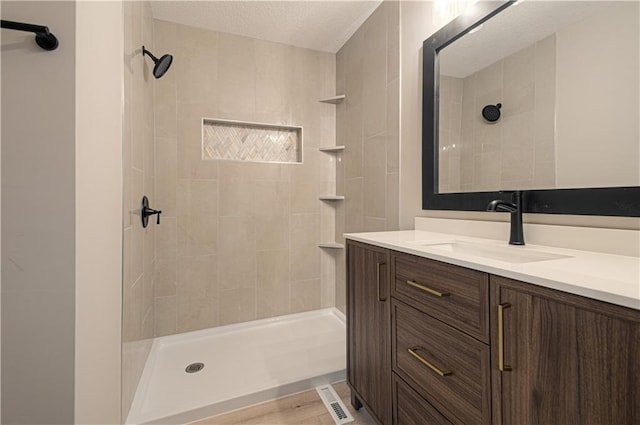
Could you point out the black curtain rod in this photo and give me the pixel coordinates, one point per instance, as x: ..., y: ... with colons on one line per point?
x: 44, y: 38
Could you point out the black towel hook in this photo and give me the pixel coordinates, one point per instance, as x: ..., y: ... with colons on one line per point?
x: 44, y: 38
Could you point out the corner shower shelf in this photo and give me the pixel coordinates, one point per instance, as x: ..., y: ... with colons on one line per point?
x: 334, y: 100
x: 331, y: 149
x: 331, y: 245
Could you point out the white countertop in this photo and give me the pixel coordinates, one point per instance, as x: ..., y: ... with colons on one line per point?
x: 605, y: 277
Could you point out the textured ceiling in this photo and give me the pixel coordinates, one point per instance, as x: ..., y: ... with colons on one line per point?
x: 317, y: 25
x: 513, y: 29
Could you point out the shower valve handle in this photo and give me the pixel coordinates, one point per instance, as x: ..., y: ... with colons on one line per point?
x: 149, y: 211
x: 145, y: 212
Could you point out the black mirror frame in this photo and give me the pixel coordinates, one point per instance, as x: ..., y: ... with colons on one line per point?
x: 606, y: 201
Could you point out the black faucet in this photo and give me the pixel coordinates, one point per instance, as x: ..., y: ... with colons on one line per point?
x: 515, y: 208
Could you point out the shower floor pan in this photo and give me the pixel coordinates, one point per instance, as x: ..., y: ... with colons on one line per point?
x: 244, y: 364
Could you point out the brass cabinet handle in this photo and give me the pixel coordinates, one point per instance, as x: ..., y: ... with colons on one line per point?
x: 501, y: 365
x: 424, y: 361
x: 378, y: 281
x: 428, y: 290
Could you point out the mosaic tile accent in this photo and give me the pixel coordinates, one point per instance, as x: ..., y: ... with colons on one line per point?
x: 240, y: 141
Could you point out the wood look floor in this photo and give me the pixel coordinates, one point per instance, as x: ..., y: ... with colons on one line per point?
x: 299, y: 409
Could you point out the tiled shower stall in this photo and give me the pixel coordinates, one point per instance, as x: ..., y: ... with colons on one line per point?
x: 238, y: 240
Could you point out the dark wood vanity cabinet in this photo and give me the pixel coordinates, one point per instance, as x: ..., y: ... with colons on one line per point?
x: 411, y: 409
x: 440, y: 337
x: 451, y: 345
x: 368, y: 324
x: 448, y: 368
x: 562, y: 359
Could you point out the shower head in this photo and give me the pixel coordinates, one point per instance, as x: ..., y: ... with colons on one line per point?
x: 161, y: 65
x: 491, y: 113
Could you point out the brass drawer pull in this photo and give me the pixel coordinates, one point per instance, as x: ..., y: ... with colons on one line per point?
x: 501, y: 365
x: 424, y: 361
x: 429, y: 290
x: 378, y: 281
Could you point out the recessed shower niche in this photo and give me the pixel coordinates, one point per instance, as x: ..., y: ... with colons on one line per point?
x: 253, y: 142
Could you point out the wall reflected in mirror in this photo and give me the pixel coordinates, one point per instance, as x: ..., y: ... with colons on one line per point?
x: 558, y: 83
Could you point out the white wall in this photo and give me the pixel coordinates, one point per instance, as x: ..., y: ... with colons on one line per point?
x: 415, y: 26
x: 597, y: 129
x: 99, y: 74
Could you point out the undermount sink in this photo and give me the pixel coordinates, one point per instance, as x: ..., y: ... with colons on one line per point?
x: 508, y: 254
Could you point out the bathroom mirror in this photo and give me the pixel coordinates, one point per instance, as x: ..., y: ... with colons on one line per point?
x: 540, y: 96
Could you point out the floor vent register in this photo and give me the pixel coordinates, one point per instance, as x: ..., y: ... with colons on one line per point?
x: 334, y: 405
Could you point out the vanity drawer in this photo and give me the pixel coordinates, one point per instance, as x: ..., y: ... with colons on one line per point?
x: 411, y: 409
x: 445, y: 366
x: 453, y: 294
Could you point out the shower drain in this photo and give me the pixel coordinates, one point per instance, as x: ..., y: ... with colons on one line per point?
x: 194, y: 367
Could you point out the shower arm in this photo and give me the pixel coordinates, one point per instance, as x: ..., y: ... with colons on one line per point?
x: 146, y: 52
x: 44, y: 38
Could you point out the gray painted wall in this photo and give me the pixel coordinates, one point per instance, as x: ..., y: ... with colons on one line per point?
x: 38, y: 217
